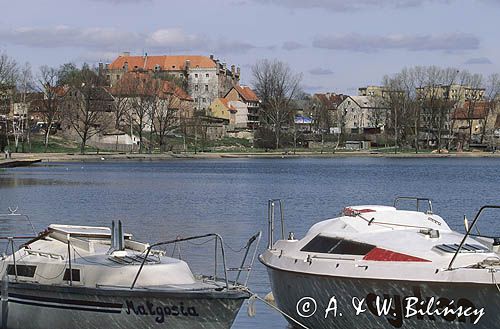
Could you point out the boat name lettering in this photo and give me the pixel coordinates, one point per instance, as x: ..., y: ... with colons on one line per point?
x: 396, y: 308
x: 160, y: 312
x: 434, y: 221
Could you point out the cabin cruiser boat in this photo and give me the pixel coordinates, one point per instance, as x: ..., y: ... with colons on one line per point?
x: 97, y: 277
x: 384, y: 267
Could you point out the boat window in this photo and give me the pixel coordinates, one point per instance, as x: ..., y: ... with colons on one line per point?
x: 321, y: 244
x: 328, y: 245
x: 22, y: 270
x: 75, y: 272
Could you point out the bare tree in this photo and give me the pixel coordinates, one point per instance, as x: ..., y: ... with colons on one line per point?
x: 89, y: 106
x: 491, y: 95
x: 142, y: 102
x: 50, y: 105
x: 165, y: 112
x: 474, y: 85
x: 25, y: 86
x: 8, y: 78
x: 9, y: 70
x: 404, y: 96
x: 276, y: 85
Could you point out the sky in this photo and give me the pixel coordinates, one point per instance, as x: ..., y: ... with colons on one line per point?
x: 337, y: 45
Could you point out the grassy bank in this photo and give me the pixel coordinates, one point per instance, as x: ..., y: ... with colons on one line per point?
x: 63, y: 149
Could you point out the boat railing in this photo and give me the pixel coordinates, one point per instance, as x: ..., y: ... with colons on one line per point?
x: 10, y: 243
x: 468, y: 233
x: 243, y: 266
x: 417, y: 200
x: 274, y: 205
x: 219, y: 243
x: 13, y: 214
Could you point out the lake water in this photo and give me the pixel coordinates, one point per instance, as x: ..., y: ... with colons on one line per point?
x: 161, y: 200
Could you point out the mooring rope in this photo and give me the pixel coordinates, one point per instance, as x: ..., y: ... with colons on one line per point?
x: 494, y: 279
x: 256, y: 296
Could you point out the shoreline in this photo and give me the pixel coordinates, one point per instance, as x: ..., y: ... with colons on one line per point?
x: 109, y: 156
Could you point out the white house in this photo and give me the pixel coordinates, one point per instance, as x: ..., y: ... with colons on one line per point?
x: 358, y: 114
x: 238, y: 116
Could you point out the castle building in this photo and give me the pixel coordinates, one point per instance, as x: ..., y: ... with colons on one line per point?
x: 204, y: 78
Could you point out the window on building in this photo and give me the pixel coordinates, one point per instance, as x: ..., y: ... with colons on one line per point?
x: 196, y: 88
x: 206, y: 87
x: 204, y: 100
x: 180, y: 75
x: 207, y: 75
x: 117, y: 77
x: 196, y: 75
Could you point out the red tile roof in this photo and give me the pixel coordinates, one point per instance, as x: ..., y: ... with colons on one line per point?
x: 167, y: 63
x: 225, y: 102
x: 472, y: 111
x: 134, y: 83
x: 330, y: 101
x: 247, y: 94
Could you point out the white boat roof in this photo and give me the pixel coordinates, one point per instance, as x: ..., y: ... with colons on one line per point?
x: 384, y: 242
x: 97, y: 265
x: 380, y: 218
x: 83, y: 231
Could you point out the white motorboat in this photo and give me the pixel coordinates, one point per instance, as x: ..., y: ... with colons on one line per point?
x: 94, y: 277
x: 379, y: 267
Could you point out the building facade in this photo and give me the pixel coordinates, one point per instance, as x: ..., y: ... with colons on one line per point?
x: 453, y: 92
x: 358, y: 114
x: 204, y: 78
x: 220, y: 109
x: 247, y: 96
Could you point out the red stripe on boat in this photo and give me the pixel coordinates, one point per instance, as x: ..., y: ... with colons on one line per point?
x: 383, y: 255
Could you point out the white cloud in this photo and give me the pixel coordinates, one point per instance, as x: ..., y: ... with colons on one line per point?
x: 119, y: 2
x: 292, y: 45
x: 320, y: 71
x: 174, y: 38
x: 99, y: 39
x: 347, y: 5
x: 370, y: 43
x: 65, y: 36
x: 479, y: 61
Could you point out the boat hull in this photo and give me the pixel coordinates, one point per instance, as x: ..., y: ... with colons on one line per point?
x: 322, y: 302
x: 33, y: 306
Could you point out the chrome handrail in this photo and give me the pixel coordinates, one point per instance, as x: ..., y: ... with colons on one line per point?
x: 417, y: 200
x: 218, y: 239
x: 467, y: 234
x: 10, y: 241
x: 256, y: 237
x: 13, y: 212
x: 271, y: 210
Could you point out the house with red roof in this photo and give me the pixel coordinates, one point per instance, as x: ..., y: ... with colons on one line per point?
x: 470, y: 119
x: 135, y: 85
x: 205, y: 78
x: 247, y: 96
